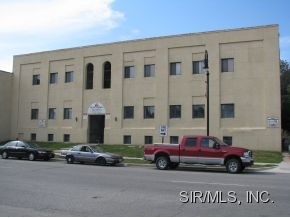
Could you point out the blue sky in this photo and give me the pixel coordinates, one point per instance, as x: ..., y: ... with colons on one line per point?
x: 40, y: 25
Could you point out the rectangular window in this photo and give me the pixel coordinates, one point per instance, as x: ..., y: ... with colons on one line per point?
x: 129, y: 112
x: 149, y: 70
x: 67, y: 113
x: 227, y: 65
x: 227, y: 111
x: 50, y: 137
x: 198, y: 111
x: 228, y: 140
x: 175, y: 68
x: 149, y: 112
x: 69, y: 77
x: 36, y: 79
x: 51, y: 113
x: 34, y: 114
x: 174, y: 139
x: 148, y: 139
x: 66, y: 137
x: 197, y: 67
x: 129, y: 72
x: 33, y: 137
x: 175, y: 111
x: 53, y: 78
x: 127, y: 139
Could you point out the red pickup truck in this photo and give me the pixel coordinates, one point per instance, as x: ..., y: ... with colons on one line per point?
x: 206, y: 150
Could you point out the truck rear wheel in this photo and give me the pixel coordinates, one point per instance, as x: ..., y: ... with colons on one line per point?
x: 162, y: 163
x: 234, y: 165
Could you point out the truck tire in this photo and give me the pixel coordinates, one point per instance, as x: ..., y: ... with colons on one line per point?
x: 233, y: 165
x: 162, y: 163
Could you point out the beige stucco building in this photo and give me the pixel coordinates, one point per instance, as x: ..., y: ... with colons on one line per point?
x: 122, y: 92
x: 5, y: 104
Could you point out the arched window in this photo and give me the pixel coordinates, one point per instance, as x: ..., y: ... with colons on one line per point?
x: 90, y: 76
x: 107, y: 75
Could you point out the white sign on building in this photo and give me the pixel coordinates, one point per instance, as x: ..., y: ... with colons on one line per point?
x: 272, y: 122
x: 97, y: 109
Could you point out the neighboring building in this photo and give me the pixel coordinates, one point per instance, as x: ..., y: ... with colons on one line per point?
x: 122, y: 92
x: 5, y: 104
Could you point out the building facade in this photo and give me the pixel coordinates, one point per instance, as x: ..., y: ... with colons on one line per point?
x: 123, y: 92
x: 5, y: 104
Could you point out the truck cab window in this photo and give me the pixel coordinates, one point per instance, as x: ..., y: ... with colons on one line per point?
x: 190, y: 142
x: 207, y: 143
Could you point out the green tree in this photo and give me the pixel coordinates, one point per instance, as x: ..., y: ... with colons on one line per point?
x: 285, y: 94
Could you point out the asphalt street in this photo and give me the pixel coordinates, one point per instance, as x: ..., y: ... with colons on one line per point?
x: 54, y: 188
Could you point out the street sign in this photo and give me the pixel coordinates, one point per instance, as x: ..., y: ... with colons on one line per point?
x: 163, y: 130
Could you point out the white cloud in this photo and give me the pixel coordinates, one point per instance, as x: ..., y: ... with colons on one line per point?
x: 33, y: 25
x: 48, y: 16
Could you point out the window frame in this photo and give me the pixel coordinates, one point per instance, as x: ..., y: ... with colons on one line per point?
x: 69, y: 77
x: 224, y: 110
x: 149, y: 70
x: 89, y: 76
x: 66, y: 137
x: 53, y: 78
x: 128, y: 112
x: 107, y: 75
x: 200, y: 67
x: 34, y: 114
x: 147, y: 113
x: 52, y: 113
x: 174, y: 70
x: 227, y: 65
x: 174, y: 139
x: 198, y: 114
x: 148, y: 139
x: 175, y: 111
x: 50, y: 137
x: 35, y: 79
x: 67, y: 113
x: 129, y: 72
x: 127, y: 139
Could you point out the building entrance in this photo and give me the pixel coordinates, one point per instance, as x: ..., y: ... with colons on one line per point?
x: 96, y: 128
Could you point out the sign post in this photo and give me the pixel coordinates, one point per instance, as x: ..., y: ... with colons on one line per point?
x: 163, y: 129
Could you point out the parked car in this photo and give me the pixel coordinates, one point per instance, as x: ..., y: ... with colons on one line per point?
x: 4, y: 142
x: 206, y: 150
x: 21, y: 149
x: 90, y: 153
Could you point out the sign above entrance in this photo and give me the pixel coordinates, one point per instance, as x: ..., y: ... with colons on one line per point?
x: 96, y: 109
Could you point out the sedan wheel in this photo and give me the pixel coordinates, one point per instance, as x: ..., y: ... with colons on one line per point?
x: 101, y: 161
x: 70, y: 159
x: 31, y: 157
x: 4, y: 155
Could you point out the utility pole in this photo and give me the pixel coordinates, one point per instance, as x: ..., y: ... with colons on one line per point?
x: 207, y: 90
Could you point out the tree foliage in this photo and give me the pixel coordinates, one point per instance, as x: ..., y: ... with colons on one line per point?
x: 285, y: 94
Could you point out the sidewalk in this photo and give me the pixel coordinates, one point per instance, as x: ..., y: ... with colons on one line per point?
x: 284, y: 166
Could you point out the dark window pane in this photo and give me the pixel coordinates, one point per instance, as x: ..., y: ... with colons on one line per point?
x: 175, y: 111
x: 227, y: 111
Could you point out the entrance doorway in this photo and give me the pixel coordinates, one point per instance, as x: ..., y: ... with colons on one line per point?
x: 96, y: 128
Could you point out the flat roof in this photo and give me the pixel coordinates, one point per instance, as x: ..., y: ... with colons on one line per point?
x: 152, y: 38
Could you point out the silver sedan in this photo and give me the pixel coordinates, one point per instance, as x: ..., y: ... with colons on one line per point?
x: 89, y: 153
